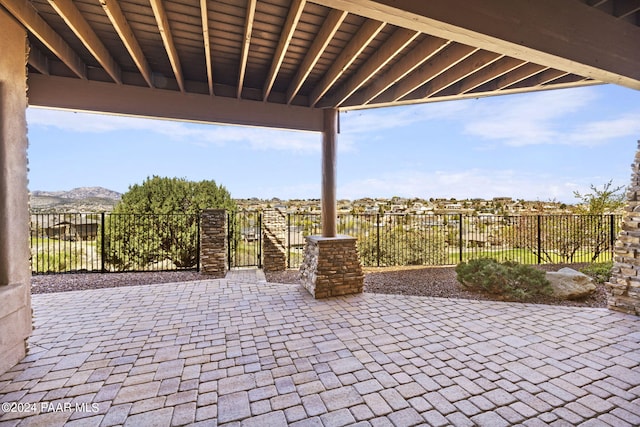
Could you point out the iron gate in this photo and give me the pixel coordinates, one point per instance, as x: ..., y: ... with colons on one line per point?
x: 244, y: 239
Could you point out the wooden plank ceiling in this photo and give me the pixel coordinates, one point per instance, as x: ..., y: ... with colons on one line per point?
x: 317, y: 54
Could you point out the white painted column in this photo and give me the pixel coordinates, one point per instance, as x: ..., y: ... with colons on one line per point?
x: 328, y: 201
x: 15, y: 270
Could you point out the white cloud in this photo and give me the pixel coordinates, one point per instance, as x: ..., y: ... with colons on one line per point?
x: 358, y: 122
x: 605, y: 130
x: 524, y: 120
x: 198, y: 134
x: 555, y: 117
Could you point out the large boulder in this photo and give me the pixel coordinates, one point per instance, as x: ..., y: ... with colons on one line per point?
x: 568, y: 283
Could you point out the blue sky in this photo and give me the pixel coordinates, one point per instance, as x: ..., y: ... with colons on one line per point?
x: 537, y: 146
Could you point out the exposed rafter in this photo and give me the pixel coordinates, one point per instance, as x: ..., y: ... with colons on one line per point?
x: 38, y: 61
x: 326, y: 33
x: 541, y: 78
x: 120, y: 23
x: 439, y: 64
x: 518, y: 74
x: 400, y: 39
x: 167, y: 39
x: 28, y: 16
x: 358, y: 43
x: 246, y: 43
x: 204, y: 13
x: 334, y: 54
x: 458, y: 72
x: 533, y: 30
x: 81, y: 28
x: 421, y: 53
x: 485, y: 75
x: 285, y: 38
x: 624, y: 8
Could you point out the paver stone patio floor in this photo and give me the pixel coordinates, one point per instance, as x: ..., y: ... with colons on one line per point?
x: 243, y: 352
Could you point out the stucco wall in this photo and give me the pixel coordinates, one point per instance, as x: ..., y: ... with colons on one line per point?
x: 15, y: 272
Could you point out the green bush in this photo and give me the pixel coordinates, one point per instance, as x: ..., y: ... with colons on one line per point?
x: 508, y: 279
x: 600, y: 271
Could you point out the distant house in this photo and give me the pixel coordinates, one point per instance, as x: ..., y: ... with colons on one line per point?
x: 70, y: 230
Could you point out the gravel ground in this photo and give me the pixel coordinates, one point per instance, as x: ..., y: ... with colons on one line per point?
x: 440, y: 282
x: 47, y: 283
x: 421, y: 281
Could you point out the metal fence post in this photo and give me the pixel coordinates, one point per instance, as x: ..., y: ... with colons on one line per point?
x: 612, y: 235
x: 288, y: 239
x: 539, y: 239
x: 378, y: 239
x: 260, y: 239
x: 198, y: 242
x: 460, y: 239
x: 102, y: 244
x: 229, y: 240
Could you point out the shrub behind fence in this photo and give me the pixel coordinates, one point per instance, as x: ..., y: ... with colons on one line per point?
x: 113, y: 242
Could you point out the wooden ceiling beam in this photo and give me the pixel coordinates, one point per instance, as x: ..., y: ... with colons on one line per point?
x: 542, y: 78
x: 38, y: 60
x: 320, y: 42
x: 437, y: 65
x: 398, y: 41
x: 24, y: 12
x: 120, y: 23
x: 458, y: 72
x: 246, y: 44
x: 85, y: 95
x: 418, y: 55
x: 295, y: 11
x: 490, y: 72
x: 167, y: 39
x: 81, y: 28
x: 624, y: 8
x: 204, y: 13
x: 561, y: 34
x: 520, y: 73
x: 367, y: 32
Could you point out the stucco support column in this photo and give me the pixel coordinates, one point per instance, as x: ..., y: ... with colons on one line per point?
x: 329, y: 143
x: 15, y: 270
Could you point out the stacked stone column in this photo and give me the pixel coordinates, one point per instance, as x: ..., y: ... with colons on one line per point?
x: 331, y: 266
x: 274, y: 240
x: 213, y: 242
x: 623, y: 288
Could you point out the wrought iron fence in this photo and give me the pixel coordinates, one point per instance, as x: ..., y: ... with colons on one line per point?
x: 244, y: 237
x: 411, y: 239
x: 131, y: 242
x: 76, y: 242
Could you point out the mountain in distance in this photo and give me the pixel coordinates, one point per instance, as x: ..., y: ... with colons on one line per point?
x: 81, y: 199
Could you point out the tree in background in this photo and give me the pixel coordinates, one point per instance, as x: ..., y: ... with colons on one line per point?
x: 601, y: 201
x: 596, y: 205
x: 164, y: 224
x: 562, y: 238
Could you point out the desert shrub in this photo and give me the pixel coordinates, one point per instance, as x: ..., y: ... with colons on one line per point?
x: 508, y: 279
x: 599, y: 271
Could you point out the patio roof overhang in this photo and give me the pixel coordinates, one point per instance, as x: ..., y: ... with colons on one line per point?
x: 279, y: 63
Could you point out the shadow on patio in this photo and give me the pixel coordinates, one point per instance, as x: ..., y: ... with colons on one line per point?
x: 227, y: 351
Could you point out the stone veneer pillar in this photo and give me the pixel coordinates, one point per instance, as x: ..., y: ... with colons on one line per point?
x: 623, y: 288
x: 331, y: 266
x: 274, y: 235
x: 213, y: 242
x: 15, y: 271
